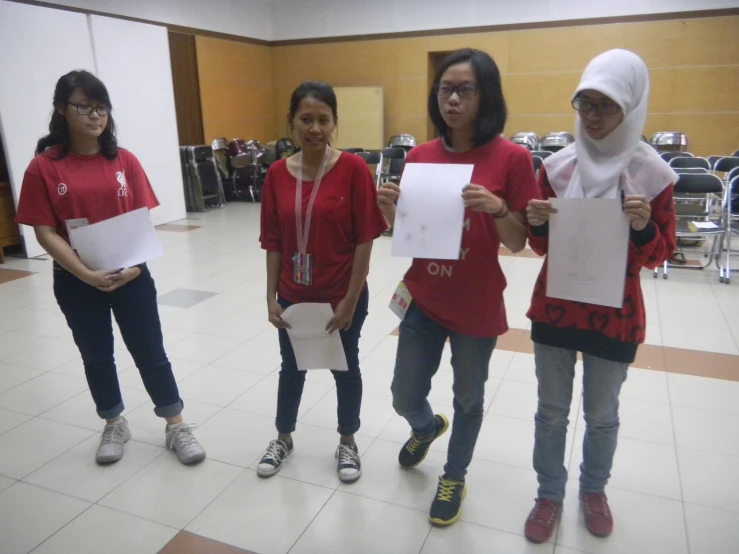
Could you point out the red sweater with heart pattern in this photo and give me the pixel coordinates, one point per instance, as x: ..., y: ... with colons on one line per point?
x: 610, y: 333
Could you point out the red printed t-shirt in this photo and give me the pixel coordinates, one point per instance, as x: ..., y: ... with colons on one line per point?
x: 466, y: 295
x: 345, y: 215
x: 76, y: 187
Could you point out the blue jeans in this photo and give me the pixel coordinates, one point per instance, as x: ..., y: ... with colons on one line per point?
x: 602, y: 380
x: 419, y: 354
x: 134, y: 305
x: 348, y: 383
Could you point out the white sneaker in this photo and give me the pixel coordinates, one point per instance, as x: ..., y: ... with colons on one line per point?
x: 277, y: 452
x: 350, y: 466
x: 180, y: 439
x: 112, y: 441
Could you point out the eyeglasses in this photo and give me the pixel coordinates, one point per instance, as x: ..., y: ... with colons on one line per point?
x: 84, y: 109
x: 464, y: 90
x: 604, y: 108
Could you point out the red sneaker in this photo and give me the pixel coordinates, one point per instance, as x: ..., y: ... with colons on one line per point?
x: 542, y: 520
x: 598, y: 518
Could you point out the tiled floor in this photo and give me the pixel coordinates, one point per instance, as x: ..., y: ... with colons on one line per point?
x: 674, y: 484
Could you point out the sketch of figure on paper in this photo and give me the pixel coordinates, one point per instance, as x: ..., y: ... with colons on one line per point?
x: 579, y: 250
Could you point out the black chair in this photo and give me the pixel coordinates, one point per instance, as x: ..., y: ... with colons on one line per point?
x: 736, y: 153
x: 684, y: 163
x: 373, y: 158
x: 538, y: 162
x: 354, y: 150
x: 543, y: 154
x: 394, y: 159
x: 724, y: 165
x: 669, y: 155
x: 694, y: 170
x: 713, y: 159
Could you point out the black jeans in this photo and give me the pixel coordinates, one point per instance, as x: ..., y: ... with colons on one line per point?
x: 348, y: 383
x: 134, y: 306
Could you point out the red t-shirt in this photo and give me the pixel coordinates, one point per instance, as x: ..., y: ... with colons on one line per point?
x: 345, y: 215
x: 466, y: 295
x: 82, y: 187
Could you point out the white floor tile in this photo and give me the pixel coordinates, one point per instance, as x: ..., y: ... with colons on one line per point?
x: 13, y: 375
x: 367, y: 525
x: 80, y: 410
x: 638, y: 466
x: 271, y: 525
x: 5, y: 482
x: 29, y: 515
x: 641, y: 523
x: 642, y: 420
x: 709, y: 480
x: 522, y: 368
x: 14, y: 343
x: 646, y: 384
x: 17, y: 318
x: 241, y: 325
x: 516, y: 399
x: 708, y: 431
x: 218, y: 385
x: 38, y: 395
x: 708, y: 340
x: 473, y: 539
x: 251, y: 356
x: 54, y: 327
x: 170, y: 493
x: 9, y: 420
x: 712, y: 531
x: 262, y: 398
x: 704, y: 393
x: 53, y: 354
x: 75, y: 473
x: 375, y: 414
x: 149, y: 428
x: 377, y: 376
x: 385, y: 351
x: 102, y: 530
x: 203, y: 349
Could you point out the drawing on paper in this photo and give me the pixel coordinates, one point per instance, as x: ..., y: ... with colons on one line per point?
x: 579, y: 249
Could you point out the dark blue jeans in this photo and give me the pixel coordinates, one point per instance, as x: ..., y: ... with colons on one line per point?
x: 134, y: 306
x: 348, y: 383
x: 419, y: 354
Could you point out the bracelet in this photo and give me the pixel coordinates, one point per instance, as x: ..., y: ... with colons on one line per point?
x: 503, y: 212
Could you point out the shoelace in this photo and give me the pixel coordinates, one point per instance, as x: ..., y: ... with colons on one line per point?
x: 183, y: 434
x: 544, y: 511
x: 111, y: 431
x: 413, y: 444
x: 346, y: 455
x: 446, y: 489
x: 275, y: 451
x: 597, y: 504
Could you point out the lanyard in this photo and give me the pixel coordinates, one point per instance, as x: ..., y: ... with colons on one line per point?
x: 304, y: 231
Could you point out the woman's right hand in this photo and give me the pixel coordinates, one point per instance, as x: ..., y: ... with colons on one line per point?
x: 274, y: 311
x: 98, y: 279
x: 387, y: 195
x: 538, y: 212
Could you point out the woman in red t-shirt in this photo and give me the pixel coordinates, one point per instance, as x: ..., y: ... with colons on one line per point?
x: 608, y: 160
x: 318, y: 254
x: 79, y: 177
x: 460, y: 300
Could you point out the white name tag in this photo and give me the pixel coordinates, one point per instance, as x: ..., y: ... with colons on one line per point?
x: 75, y: 224
x: 401, y: 301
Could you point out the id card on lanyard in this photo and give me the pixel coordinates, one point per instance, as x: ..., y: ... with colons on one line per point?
x: 302, y: 261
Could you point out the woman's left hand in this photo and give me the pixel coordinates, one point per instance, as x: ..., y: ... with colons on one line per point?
x: 639, y: 211
x: 343, y: 315
x: 121, y: 278
x: 481, y: 199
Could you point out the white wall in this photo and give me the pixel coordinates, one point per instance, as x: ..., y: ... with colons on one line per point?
x: 39, y: 45
x: 296, y: 19
x: 249, y: 18
x: 132, y: 59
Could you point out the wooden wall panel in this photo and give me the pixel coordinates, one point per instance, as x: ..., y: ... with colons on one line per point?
x: 186, y: 87
x: 236, y: 89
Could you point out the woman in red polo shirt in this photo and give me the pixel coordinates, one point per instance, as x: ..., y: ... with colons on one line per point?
x: 318, y: 254
x: 460, y: 300
x: 608, y: 160
x: 80, y: 176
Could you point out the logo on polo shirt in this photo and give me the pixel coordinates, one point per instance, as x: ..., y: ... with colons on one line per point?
x: 61, y: 189
x: 121, y: 178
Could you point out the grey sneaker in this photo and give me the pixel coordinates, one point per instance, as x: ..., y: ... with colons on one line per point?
x: 183, y: 442
x: 111, y: 443
x: 350, y: 466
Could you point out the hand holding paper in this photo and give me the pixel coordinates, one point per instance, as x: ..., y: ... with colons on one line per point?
x: 314, y: 346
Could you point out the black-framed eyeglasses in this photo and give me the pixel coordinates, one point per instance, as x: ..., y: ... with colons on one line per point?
x: 604, y: 108
x: 464, y: 90
x: 84, y: 109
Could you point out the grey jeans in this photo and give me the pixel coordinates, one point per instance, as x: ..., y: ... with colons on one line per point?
x: 602, y: 380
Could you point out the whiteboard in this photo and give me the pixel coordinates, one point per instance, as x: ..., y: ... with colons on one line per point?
x: 361, y: 118
x: 133, y: 61
x: 39, y: 45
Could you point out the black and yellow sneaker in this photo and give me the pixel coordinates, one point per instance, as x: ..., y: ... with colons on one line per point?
x: 416, y: 449
x: 447, y: 506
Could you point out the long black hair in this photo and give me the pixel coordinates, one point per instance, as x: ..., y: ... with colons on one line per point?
x: 315, y: 89
x: 493, y: 113
x: 58, y: 135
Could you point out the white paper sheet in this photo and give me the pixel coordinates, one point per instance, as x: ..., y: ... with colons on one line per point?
x: 588, y: 248
x: 314, y: 348
x: 430, y: 214
x: 119, y: 242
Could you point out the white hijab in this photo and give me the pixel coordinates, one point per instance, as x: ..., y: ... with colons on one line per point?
x: 592, y: 168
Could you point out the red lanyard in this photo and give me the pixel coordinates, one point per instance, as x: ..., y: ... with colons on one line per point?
x: 303, y: 232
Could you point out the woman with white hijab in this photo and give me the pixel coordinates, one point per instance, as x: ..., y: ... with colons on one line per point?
x: 607, y: 160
